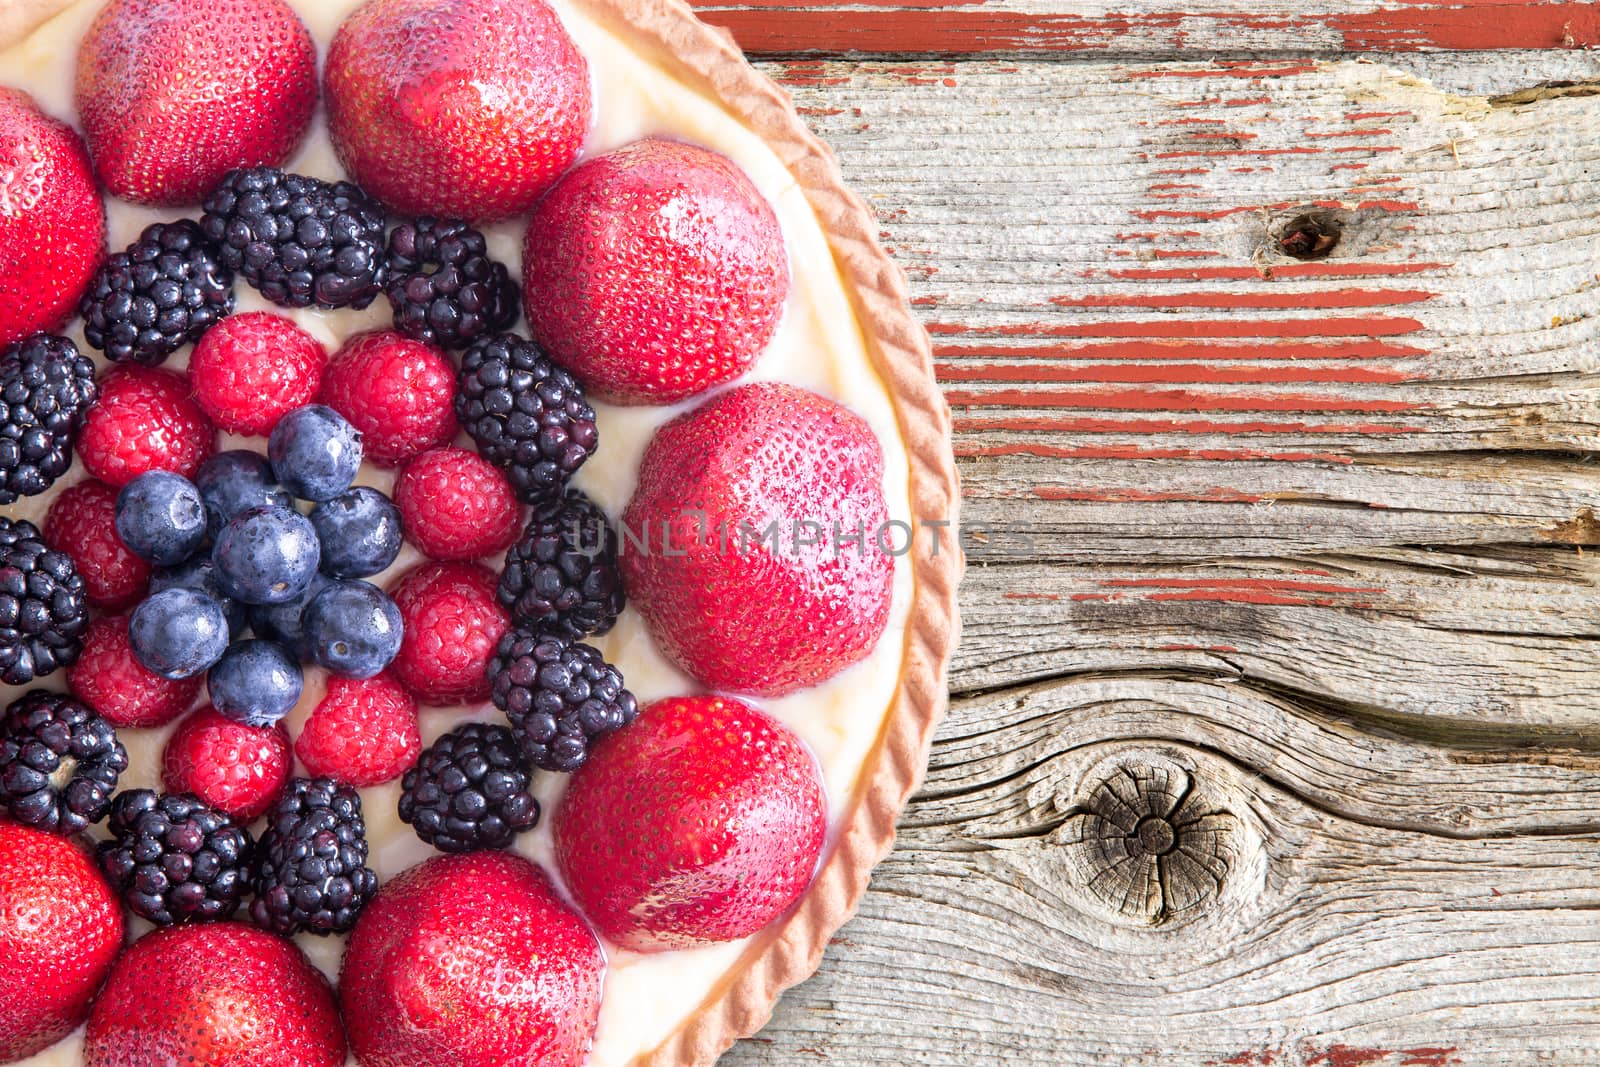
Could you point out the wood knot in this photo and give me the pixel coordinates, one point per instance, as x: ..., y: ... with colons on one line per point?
x: 1146, y: 842
x: 1312, y: 235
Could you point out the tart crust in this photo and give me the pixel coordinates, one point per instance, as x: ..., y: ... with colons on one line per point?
x: 708, y: 58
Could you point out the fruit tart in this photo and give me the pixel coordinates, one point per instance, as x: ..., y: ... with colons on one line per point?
x: 477, y: 557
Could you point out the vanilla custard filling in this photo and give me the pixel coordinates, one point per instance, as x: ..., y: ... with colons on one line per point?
x: 819, y: 345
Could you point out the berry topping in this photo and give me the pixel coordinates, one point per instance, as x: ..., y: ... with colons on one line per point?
x: 236, y: 769
x: 255, y: 682
x: 360, y: 532
x: 60, y: 930
x: 456, y: 505
x: 364, y: 732
x: 315, y: 452
x: 221, y: 993
x: 178, y: 632
x: 161, y: 518
x: 472, y: 119
x: 163, y: 292
x: 200, y: 575
x: 110, y: 680
x: 46, y: 389
x: 559, y: 695
x: 233, y: 482
x: 311, y: 861
x: 702, y: 822
x: 299, y: 240
x: 145, y: 420
x: 82, y: 522
x: 352, y: 628
x: 266, y: 555
x: 527, y: 414
x: 396, y: 391
x: 42, y: 610
x: 655, y: 272
x: 733, y: 590
x: 443, y: 286
x: 173, y: 859
x: 254, y: 369
x: 173, y: 94
x: 451, y: 624
x: 469, y: 790
x: 52, y: 222
x: 59, y: 763
x: 562, y: 574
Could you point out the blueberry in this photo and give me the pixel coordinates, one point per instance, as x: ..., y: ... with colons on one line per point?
x: 282, y: 622
x: 315, y: 453
x: 359, y: 531
x: 200, y: 574
x: 353, y: 629
x: 231, y: 482
x: 160, y: 517
x: 255, y: 682
x: 266, y: 555
x: 178, y: 632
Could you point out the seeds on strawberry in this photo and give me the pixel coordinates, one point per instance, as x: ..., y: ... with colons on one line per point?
x: 456, y: 505
x: 451, y: 623
x: 253, y: 369
x: 396, y: 391
x: 145, y: 420
x: 82, y: 523
x: 239, y: 770
x: 363, y: 733
x: 110, y: 680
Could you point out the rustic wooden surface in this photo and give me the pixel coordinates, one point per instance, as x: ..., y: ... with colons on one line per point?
x: 1276, y: 734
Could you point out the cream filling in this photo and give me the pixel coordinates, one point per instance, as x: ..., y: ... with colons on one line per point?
x: 819, y: 346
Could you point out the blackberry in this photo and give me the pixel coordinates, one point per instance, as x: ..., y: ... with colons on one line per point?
x: 43, y: 609
x: 561, y: 574
x: 46, y: 386
x: 174, y: 860
x: 299, y: 240
x: 59, y: 763
x: 311, y: 862
x: 469, y: 790
x: 443, y: 286
x: 163, y: 292
x: 560, y: 696
x: 527, y: 414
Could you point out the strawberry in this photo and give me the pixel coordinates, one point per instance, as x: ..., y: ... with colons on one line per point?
x: 214, y: 993
x: 60, y: 929
x: 396, y: 391
x: 363, y: 733
x: 173, y: 94
x: 452, y: 623
x: 145, y: 420
x: 239, y: 770
x: 82, y: 523
x: 654, y: 272
x: 455, y: 504
x: 52, y: 222
x: 701, y: 822
x: 456, y: 108
x: 251, y: 370
x: 109, y: 679
x: 471, y: 960
x: 765, y: 568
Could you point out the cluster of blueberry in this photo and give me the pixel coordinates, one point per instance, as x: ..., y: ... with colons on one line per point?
x: 234, y: 553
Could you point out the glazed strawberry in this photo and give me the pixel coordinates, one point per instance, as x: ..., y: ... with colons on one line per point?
x: 251, y: 370
x: 452, y: 623
x: 60, y: 929
x: 654, y: 272
x: 701, y: 822
x: 473, y: 118
x: 239, y: 770
x: 145, y: 420
x: 396, y: 391
x: 215, y: 993
x: 82, y: 523
x: 110, y: 680
x: 52, y: 222
x: 455, y: 504
x: 736, y: 589
x: 471, y: 960
x: 173, y: 94
x: 363, y: 733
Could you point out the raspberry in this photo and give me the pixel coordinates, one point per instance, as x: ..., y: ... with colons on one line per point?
x: 145, y: 421
x: 82, y: 523
x: 396, y: 391
x: 251, y: 370
x: 452, y: 624
x: 110, y: 680
x: 239, y: 770
x: 454, y: 504
x: 363, y: 733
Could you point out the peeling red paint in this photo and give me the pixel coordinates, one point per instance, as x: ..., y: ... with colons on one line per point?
x: 1173, y: 400
x: 1294, y: 301
x: 1049, y: 424
x: 1170, y: 373
x: 1163, y: 349
x: 1148, y: 496
x: 1357, y: 326
x: 1287, y: 270
x: 1213, y: 455
x: 1428, y: 1057
x: 1347, y: 1056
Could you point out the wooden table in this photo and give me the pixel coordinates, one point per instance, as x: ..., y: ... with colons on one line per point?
x: 1276, y: 731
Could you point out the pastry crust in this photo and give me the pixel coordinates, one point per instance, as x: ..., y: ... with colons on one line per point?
x: 708, y: 59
